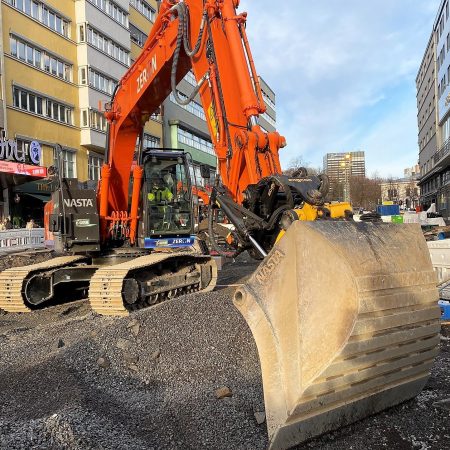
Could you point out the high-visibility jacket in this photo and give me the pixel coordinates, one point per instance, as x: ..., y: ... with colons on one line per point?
x: 159, y: 195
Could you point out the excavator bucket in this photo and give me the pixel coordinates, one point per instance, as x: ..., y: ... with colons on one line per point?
x: 346, y: 321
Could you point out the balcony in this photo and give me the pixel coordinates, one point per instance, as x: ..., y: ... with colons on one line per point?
x: 442, y: 152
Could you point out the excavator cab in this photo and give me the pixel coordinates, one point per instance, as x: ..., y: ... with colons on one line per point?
x: 167, y: 200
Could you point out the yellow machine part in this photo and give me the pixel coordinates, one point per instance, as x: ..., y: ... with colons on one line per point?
x: 309, y: 212
x: 346, y: 322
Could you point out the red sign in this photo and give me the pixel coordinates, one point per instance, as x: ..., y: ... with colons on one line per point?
x: 23, y: 169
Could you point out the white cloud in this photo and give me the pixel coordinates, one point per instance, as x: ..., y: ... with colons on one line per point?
x: 341, y: 71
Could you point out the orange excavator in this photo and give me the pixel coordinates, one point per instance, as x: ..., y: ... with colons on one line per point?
x: 344, y: 314
x: 202, y: 193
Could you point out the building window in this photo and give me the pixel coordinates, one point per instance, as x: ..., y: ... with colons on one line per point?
x: 83, y: 78
x: 137, y: 36
x: 269, y: 119
x: 151, y: 141
x: 193, y: 107
x: 144, y: 8
x: 42, y: 14
x: 195, y: 141
x: 94, y: 167
x: 190, y: 78
x: 68, y: 160
x: 107, y: 46
x: 84, y: 118
x: 39, y: 58
x: 94, y: 119
x: 97, y: 120
x: 196, y: 176
x: 81, y: 32
x: 111, y: 9
x: 101, y: 82
x: 268, y: 101
x: 42, y: 106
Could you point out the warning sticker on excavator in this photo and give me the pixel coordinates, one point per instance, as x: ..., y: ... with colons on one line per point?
x: 212, y: 119
x: 267, y: 267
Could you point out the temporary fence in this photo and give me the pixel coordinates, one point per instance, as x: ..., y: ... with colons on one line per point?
x: 22, y: 238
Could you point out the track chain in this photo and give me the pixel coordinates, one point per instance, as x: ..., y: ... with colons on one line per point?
x: 105, y: 288
x: 12, y: 282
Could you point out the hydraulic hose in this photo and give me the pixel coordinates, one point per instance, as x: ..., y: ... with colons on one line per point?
x: 182, y: 38
x: 192, y: 52
x: 212, y: 239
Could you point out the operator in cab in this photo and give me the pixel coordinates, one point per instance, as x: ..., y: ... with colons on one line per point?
x: 159, y: 192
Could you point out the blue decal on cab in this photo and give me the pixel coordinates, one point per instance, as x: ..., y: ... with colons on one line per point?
x: 173, y: 242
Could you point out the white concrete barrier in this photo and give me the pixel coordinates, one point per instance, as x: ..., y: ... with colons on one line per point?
x: 440, y: 258
x: 22, y: 238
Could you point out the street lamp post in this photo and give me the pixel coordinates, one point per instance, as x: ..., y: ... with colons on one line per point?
x: 346, y: 165
x: 342, y: 165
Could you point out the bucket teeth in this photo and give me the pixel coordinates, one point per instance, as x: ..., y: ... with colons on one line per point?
x: 345, y: 318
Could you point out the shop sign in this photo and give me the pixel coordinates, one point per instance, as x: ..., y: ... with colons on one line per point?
x: 9, y: 151
x: 23, y: 169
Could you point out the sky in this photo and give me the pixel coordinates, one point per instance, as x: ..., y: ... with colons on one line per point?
x: 343, y: 72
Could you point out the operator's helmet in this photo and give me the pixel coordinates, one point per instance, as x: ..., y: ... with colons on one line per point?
x: 158, y: 183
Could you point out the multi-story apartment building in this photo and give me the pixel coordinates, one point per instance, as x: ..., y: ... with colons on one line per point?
x: 426, y: 121
x: 433, y: 117
x: 268, y: 120
x: 340, y: 166
x: 41, y: 88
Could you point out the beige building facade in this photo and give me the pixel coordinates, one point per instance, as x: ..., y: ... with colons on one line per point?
x: 404, y: 192
x: 60, y: 63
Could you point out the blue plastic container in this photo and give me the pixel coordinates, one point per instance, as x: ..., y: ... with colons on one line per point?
x: 388, y: 210
x: 445, y: 309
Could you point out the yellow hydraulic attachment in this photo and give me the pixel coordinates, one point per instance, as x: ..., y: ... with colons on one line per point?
x: 338, y: 210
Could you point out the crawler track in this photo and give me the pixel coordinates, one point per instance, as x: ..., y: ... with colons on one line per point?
x: 107, y: 284
x: 12, y: 282
x: 154, y: 278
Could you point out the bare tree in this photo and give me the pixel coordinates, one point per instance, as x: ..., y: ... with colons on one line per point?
x: 297, y: 163
x: 365, y: 192
x: 393, y: 189
x: 336, y: 192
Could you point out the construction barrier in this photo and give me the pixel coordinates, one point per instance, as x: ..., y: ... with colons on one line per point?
x: 440, y: 258
x: 21, y: 238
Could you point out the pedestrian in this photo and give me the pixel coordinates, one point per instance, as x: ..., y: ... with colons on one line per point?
x: 30, y: 224
x: 8, y: 223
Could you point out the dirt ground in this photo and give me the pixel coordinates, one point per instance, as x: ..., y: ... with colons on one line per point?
x: 70, y: 379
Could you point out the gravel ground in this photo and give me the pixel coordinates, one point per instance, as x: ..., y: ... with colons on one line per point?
x: 70, y: 379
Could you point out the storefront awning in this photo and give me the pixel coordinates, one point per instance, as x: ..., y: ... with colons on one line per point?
x: 42, y: 198
x: 39, y: 187
x: 23, y: 169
